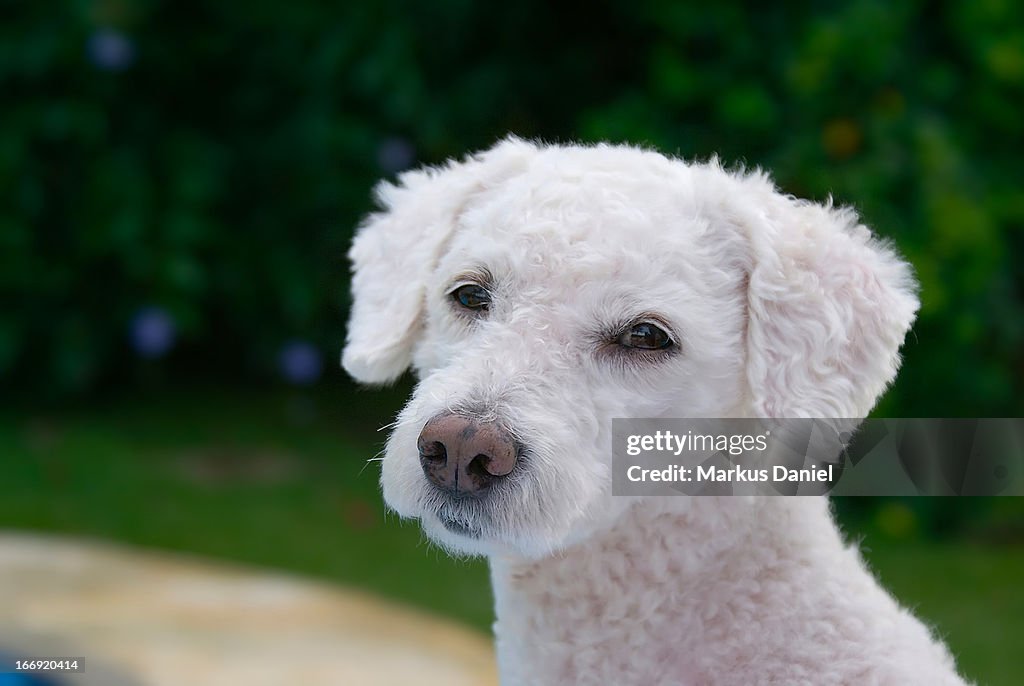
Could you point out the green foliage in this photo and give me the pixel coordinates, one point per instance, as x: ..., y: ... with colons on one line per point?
x: 220, y: 173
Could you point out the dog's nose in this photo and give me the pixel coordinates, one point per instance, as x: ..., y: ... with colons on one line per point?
x: 464, y: 456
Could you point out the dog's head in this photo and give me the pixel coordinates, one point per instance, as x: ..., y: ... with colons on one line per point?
x: 538, y: 292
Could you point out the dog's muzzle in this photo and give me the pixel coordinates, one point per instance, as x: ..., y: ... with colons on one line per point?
x: 465, y: 457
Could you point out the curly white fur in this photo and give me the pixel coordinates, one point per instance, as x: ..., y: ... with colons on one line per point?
x: 780, y: 308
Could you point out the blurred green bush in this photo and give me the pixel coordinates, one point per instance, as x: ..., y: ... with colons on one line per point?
x: 208, y: 161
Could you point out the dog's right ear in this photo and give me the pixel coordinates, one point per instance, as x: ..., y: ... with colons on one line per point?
x: 396, y: 249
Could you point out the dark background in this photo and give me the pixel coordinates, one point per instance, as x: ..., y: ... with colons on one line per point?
x: 179, y: 182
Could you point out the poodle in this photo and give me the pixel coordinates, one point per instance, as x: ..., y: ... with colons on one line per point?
x: 538, y: 291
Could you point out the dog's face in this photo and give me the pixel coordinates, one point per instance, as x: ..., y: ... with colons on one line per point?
x: 555, y: 307
x: 539, y: 293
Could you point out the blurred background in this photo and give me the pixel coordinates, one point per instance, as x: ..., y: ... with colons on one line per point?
x: 179, y: 183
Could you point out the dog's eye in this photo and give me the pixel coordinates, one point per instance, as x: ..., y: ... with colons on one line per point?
x: 645, y: 336
x: 472, y: 297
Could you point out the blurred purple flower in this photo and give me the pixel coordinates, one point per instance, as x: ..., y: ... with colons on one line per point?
x: 110, y: 50
x: 395, y: 154
x: 152, y: 332
x: 300, y: 362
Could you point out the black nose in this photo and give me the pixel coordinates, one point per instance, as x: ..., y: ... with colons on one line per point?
x: 464, y: 456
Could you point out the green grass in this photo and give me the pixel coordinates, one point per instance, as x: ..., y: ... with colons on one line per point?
x: 972, y: 595
x: 282, y: 481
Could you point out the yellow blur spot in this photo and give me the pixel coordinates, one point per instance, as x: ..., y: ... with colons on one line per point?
x: 896, y: 520
x: 841, y: 138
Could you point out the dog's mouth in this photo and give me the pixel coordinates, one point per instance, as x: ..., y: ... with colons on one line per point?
x: 460, y: 528
x: 466, y: 516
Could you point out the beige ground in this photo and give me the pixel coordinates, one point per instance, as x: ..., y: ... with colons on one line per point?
x: 157, y: 619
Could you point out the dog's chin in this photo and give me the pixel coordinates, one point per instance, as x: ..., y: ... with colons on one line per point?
x: 456, y: 537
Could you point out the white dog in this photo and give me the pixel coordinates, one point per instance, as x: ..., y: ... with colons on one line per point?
x: 540, y: 291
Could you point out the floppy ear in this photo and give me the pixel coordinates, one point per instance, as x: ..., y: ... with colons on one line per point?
x: 829, y: 306
x: 396, y: 248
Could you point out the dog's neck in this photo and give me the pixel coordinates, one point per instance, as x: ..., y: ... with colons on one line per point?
x: 663, y: 567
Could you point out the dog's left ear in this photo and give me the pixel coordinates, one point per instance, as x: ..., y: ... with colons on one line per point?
x: 397, y: 248
x: 829, y: 306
